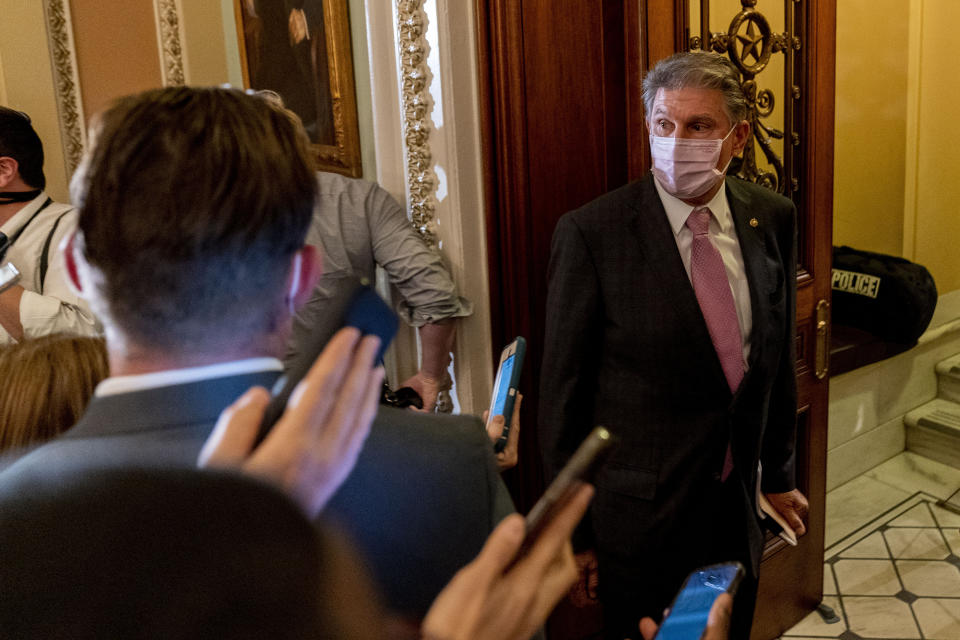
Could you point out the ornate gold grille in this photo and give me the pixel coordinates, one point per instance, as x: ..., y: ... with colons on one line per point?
x: 751, y: 43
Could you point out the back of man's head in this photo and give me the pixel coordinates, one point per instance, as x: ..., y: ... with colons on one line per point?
x: 192, y: 203
x: 19, y: 141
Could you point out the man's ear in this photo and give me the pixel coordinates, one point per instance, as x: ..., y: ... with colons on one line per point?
x: 305, y: 270
x: 68, y: 249
x: 9, y: 170
x: 740, y: 136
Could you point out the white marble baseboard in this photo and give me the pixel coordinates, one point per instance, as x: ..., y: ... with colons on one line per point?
x: 852, y: 458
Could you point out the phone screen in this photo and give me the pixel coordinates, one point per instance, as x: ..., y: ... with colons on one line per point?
x: 691, y: 608
x: 503, y: 385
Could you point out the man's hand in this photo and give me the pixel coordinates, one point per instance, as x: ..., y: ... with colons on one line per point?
x: 485, y: 600
x: 506, y: 459
x: 718, y: 624
x: 427, y: 387
x: 314, y: 446
x: 793, y: 506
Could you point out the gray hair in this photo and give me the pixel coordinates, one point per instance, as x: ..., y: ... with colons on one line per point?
x: 698, y: 70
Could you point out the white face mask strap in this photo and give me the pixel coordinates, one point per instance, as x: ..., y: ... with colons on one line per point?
x: 295, y: 280
x: 732, y: 129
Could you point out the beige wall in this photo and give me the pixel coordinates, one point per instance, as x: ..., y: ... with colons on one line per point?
x: 897, y: 148
x: 871, y: 112
x: 27, y: 82
x: 210, y: 43
x: 117, y: 53
x: 936, y: 223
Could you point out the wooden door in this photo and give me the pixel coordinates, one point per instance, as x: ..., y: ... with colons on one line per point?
x: 563, y: 123
x: 555, y: 116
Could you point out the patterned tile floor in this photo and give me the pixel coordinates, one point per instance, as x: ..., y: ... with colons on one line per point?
x: 893, y: 572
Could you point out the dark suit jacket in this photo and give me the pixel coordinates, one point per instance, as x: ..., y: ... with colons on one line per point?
x: 423, y: 497
x: 627, y: 347
x: 173, y: 554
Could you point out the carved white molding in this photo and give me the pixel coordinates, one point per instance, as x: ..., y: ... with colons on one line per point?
x: 456, y: 213
x: 417, y: 105
x: 63, y: 58
x: 170, y: 40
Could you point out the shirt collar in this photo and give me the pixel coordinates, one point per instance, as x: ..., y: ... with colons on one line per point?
x: 678, y: 211
x: 141, y: 382
x: 20, y: 218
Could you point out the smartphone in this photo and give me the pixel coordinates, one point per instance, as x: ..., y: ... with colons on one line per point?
x: 505, y: 388
x: 366, y: 311
x: 690, y: 610
x: 582, y: 467
x: 9, y: 275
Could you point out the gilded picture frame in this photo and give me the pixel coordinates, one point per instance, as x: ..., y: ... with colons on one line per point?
x: 301, y: 49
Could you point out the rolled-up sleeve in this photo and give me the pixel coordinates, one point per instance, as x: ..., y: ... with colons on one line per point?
x: 49, y: 304
x: 417, y: 271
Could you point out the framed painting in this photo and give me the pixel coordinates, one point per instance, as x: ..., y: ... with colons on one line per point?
x: 301, y: 50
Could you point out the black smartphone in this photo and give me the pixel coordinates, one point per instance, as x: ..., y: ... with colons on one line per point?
x: 505, y: 388
x: 690, y: 610
x: 366, y: 311
x: 582, y: 467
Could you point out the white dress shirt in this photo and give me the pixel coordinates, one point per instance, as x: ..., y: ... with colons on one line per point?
x: 55, y: 307
x: 141, y: 382
x: 723, y: 235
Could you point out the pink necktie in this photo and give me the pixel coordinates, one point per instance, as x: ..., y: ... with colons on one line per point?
x: 712, y: 288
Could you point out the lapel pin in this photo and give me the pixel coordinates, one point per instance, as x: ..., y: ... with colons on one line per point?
x: 754, y: 223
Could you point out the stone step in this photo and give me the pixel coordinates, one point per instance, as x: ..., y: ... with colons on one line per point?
x: 933, y: 431
x: 948, y: 378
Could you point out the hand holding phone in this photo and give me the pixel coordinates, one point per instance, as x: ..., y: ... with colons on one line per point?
x: 690, y: 612
x: 581, y: 468
x: 367, y: 312
x: 508, y: 457
x: 502, y: 596
x: 505, y: 388
x: 314, y: 446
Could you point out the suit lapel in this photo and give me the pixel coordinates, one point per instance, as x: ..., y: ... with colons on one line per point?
x: 750, y: 224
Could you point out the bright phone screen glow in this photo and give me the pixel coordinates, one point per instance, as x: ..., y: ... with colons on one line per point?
x: 690, y: 611
x: 503, y: 386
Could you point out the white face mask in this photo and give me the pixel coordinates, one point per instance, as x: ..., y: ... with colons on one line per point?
x: 687, y: 167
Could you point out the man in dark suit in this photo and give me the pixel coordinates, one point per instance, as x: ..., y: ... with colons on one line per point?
x: 670, y: 320
x: 194, y: 207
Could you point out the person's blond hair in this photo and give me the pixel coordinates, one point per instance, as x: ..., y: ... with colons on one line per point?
x: 45, y: 385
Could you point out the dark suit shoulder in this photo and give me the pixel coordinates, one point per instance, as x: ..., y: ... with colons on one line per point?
x: 463, y: 429
x: 421, y: 483
x: 612, y: 207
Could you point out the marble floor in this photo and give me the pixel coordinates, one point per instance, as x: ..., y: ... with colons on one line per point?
x: 892, y: 560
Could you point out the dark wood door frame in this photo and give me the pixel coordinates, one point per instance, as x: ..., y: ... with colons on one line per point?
x: 582, y: 63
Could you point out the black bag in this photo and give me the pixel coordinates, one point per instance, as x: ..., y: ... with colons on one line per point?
x: 890, y: 297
